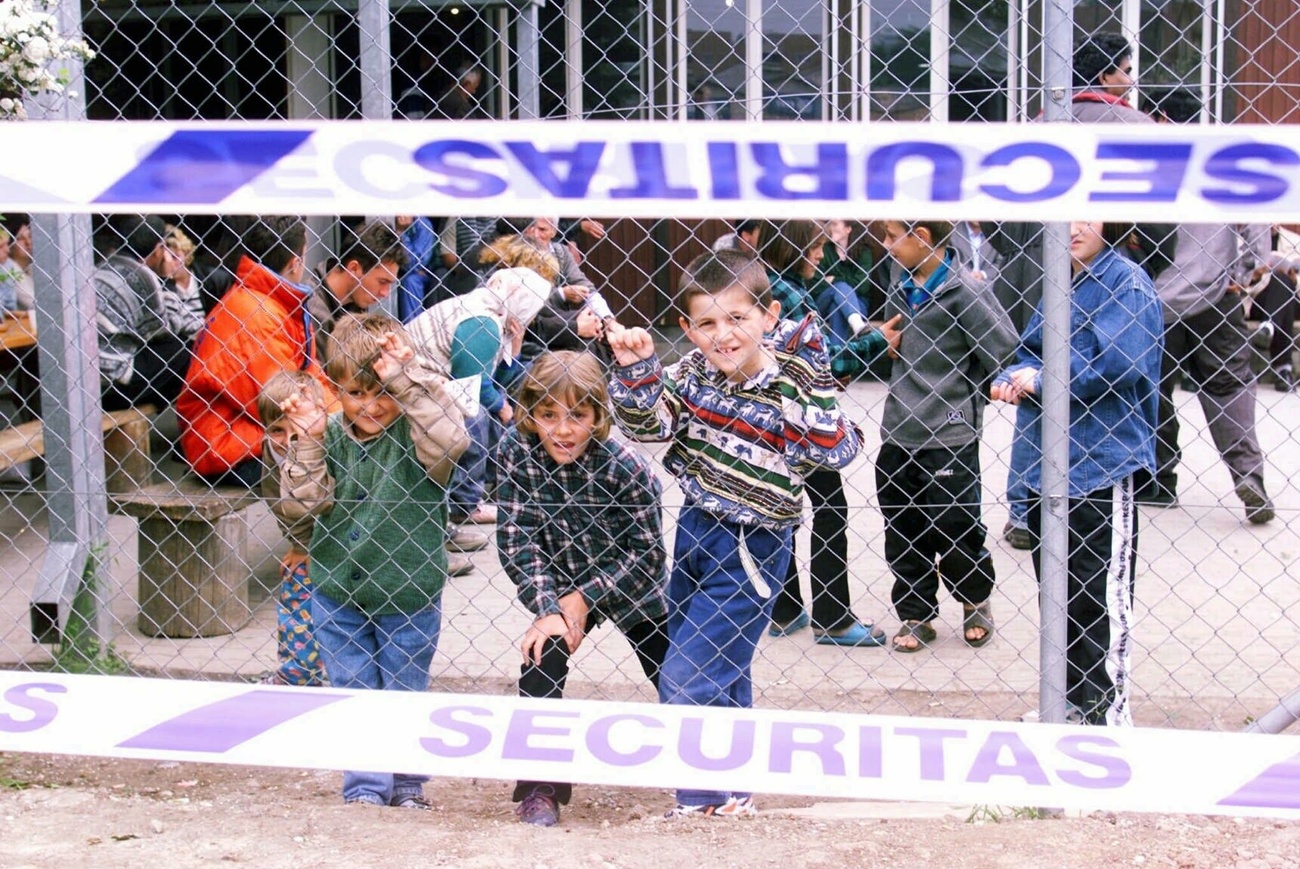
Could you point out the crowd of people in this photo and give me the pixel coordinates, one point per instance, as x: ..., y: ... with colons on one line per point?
x: 384, y: 433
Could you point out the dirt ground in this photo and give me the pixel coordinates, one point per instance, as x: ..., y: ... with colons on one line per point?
x: 58, y: 811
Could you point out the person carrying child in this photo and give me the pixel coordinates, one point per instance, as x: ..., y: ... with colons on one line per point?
x: 374, y: 476
x: 956, y: 336
x: 580, y: 535
x: 296, y: 648
x: 745, y: 423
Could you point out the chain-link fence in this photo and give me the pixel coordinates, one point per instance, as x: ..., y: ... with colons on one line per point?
x: 192, y: 316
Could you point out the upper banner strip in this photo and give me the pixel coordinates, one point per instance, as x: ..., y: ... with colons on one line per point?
x: 791, y: 751
x: 652, y: 169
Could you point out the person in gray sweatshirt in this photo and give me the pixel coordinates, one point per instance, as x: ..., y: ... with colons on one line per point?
x: 1206, y: 338
x: 955, y: 337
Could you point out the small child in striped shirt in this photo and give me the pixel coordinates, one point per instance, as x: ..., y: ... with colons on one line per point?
x: 745, y: 422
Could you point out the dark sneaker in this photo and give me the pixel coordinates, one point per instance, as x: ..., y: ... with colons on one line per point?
x: 1259, y: 509
x: 1017, y: 536
x: 410, y: 801
x: 1157, y: 494
x: 539, y: 808
x: 1283, y: 379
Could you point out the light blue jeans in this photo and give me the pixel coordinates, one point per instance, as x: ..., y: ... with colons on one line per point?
x: 386, y: 652
x: 716, y: 616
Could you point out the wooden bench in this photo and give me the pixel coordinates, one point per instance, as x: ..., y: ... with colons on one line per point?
x: 127, y: 463
x: 193, y: 545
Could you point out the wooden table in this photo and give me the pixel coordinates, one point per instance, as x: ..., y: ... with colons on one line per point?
x: 17, y: 331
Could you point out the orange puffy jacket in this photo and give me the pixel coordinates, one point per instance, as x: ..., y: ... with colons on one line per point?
x: 259, y: 328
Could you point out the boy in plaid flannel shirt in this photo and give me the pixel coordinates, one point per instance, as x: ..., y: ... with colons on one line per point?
x: 580, y: 533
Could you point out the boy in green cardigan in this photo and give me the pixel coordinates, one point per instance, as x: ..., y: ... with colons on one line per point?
x: 374, y: 476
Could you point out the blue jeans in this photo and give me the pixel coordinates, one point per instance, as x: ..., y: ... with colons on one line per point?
x: 387, y: 652
x: 1018, y: 493
x: 469, y: 480
x: 835, y: 302
x: 716, y: 616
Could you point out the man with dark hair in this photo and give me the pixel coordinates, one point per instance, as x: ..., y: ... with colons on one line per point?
x: 144, y: 327
x: 362, y: 276
x: 1106, y: 60
x: 1103, y: 78
x: 259, y: 328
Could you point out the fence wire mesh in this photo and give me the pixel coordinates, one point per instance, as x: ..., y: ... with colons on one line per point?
x: 194, y: 581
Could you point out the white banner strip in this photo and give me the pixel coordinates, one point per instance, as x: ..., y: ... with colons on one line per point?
x: 653, y: 169
x: 645, y: 745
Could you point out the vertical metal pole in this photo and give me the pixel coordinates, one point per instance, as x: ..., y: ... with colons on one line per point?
x: 573, y: 109
x: 375, y: 59
x: 1058, y: 28
x: 70, y: 407
x: 753, y: 60
x: 940, y: 50
x: 528, y: 36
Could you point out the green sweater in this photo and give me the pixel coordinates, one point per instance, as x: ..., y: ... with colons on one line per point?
x: 380, y: 548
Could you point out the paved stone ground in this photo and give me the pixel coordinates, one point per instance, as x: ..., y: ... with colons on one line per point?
x: 1217, y: 604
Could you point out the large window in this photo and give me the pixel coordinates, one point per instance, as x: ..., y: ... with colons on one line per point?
x: 794, y: 59
x: 715, y: 50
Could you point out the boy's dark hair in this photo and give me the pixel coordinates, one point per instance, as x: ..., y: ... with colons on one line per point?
x: 273, y: 241
x: 570, y: 376
x: 276, y: 391
x: 1097, y: 55
x: 781, y: 245
x: 139, y: 234
x: 749, y: 224
x: 373, y: 243
x: 939, y: 230
x: 1179, y: 105
x: 718, y: 271
x: 354, y: 347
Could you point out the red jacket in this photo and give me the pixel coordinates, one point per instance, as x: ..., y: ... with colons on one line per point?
x: 257, y: 329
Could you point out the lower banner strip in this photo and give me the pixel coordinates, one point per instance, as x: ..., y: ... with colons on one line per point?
x: 816, y: 754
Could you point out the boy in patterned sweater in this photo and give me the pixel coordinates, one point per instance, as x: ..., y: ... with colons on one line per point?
x: 745, y: 422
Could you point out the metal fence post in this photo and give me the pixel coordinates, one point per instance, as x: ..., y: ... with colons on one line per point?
x: 70, y: 403
x: 1058, y: 30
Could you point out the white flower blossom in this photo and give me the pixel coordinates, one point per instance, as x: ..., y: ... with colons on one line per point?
x: 29, y: 43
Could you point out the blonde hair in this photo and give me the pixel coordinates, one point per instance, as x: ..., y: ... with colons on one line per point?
x: 354, y: 346
x: 511, y: 251
x: 282, y: 385
x: 568, y: 376
x: 179, y: 243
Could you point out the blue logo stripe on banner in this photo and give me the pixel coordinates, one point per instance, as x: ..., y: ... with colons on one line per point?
x: 219, y: 727
x: 1278, y: 787
x: 203, y: 166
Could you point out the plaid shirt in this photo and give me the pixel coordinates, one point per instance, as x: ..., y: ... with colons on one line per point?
x: 593, y: 525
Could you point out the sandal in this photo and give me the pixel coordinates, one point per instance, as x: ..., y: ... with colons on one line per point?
x: 923, y: 632
x: 978, y: 615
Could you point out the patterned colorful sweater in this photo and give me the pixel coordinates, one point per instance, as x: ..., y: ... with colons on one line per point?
x: 739, y: 451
